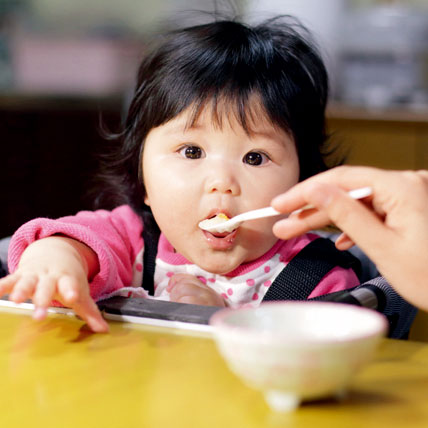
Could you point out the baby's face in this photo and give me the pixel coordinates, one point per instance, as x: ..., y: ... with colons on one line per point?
x: 192, y: 174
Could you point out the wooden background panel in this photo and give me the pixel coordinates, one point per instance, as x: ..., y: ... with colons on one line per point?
x: 381, y: 144
x: 422, y: 147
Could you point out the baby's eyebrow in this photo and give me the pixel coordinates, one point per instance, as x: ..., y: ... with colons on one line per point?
x: 182, y: 128
x: 270, y: 134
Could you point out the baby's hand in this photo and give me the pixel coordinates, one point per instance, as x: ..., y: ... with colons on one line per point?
x: 54, y: 269
x: 184, y: 288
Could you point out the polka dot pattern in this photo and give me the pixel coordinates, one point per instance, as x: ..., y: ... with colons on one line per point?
x: 244, y: 288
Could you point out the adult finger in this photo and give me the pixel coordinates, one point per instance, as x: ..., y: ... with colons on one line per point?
x: 346, y: 177
x: 298, y: 224
x: 344, y: 242
x: 361, y: 224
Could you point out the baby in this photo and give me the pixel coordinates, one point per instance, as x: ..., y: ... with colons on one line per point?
x: 225, y: 116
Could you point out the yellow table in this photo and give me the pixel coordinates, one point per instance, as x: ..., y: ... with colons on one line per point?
x: 55, y: 373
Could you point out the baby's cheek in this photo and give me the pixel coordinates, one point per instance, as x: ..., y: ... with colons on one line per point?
x: 259, y: 239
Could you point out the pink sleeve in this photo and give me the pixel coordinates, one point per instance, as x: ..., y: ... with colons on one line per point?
x: 337, y: 279
x: 115, y: 236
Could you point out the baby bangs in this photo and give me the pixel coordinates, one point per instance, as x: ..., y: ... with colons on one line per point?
x: 231, y: 63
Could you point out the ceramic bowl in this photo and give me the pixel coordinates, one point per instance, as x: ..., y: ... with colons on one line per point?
x: 296, y: 351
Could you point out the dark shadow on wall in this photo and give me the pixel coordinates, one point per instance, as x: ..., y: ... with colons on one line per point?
x: 48, y: 156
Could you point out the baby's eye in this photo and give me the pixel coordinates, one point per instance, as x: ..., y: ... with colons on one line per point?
x: 255, y: 158
x: 191, y: 152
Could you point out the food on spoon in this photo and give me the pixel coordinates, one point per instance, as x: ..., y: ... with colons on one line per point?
x: 214, y: 221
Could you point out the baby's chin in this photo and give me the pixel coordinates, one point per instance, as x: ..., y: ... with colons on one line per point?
x: 218, y: 266
x: 223, y: 265
x: 216, y: 270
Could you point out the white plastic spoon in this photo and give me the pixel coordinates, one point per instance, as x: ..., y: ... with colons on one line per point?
x: 221, y: 224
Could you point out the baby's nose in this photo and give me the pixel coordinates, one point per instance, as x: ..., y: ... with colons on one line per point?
x: 222, y: 180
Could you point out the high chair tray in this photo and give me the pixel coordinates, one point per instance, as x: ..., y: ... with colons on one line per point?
x: 157, y: 309
x: 135, y: 310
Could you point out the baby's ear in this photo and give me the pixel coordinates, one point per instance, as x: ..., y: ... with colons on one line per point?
x: 146, y: 200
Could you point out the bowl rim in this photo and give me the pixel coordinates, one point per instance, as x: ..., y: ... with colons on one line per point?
x: 217, y: 321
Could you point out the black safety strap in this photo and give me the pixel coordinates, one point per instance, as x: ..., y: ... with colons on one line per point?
x: 304, y: 272
x: 149, y: 260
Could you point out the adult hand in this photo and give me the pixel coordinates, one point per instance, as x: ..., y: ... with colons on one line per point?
x: 391, y: 226
x: 184, y: 288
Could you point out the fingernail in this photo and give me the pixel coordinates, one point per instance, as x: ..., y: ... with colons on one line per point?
x: 102, y: 327
x: 39, y: 313
x: 70, y: 295
x: 15, y: 296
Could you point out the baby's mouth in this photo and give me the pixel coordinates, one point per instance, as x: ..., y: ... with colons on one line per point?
x: 220, y: 241
x: 220, y: 235
x: 213, y: 224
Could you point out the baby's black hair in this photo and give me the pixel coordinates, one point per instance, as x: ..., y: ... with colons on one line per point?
x: 225, y: 63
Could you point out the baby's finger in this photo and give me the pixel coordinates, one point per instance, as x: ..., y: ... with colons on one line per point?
x: 43, y: 296
x: 190, y: 300
x: 185, y: 292
x: 7, y: 283
x: 183, y: 278
x: 23, y: 289
x: 182, y: 291
x: 68, y: 290
x: 89, y: 312
x: 177, y: 291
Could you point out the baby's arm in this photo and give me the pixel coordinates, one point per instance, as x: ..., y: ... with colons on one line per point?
x: 184, y: 288
x: 57, y: 268
x: 115, y: 238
